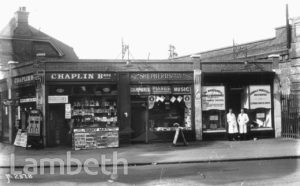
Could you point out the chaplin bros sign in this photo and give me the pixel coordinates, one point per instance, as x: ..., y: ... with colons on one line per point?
x: 76, y: 76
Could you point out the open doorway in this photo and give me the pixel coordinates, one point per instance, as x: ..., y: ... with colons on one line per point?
x: 234, y: 99
x: 57, y: 125
x: 138, y: 121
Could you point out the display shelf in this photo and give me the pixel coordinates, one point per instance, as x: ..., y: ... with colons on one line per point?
x: 93, y: 111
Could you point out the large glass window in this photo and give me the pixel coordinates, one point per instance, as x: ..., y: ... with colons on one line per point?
x: 91, y: 105
x: 258, y: 105
x: 168, y: 110
x: 213, y: 106
x: 167, y: 106
x: 213, y: 120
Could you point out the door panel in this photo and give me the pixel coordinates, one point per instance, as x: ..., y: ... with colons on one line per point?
x: 57, y: 125
x: 138, y: 121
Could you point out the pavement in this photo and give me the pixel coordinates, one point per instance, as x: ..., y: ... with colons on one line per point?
x: 156, y: 153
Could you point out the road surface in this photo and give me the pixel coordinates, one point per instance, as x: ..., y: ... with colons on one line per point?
x: 263, y: 172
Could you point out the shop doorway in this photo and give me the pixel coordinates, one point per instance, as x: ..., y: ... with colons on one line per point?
x: 139, y: 121
x: 58, y: 127
x: 234, y: 100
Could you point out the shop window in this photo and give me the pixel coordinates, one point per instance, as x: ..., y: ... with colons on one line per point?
x: 213, y: 106
x: 214, y: 120
x: 259, y: 107
x: 23, y: 92
x: 166, y: 110
x: 260, y: 118
x: 94, y: 105
x: 94, y: 111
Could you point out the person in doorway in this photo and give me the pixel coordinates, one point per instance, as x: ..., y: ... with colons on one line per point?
x: 243, y: 119
x: 70, y: 127
x: 232, y: 128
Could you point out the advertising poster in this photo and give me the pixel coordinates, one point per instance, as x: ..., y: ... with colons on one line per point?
x: 21, y: 139
x: 213, y: 98
x: 260, y: 96
x: 68, y: 111
x: 79, y: 141
x: 34, y: 123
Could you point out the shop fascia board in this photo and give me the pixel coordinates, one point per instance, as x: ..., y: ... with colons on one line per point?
x: 224, y: 67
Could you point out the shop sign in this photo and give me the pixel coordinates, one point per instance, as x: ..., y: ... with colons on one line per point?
x: 213, y: 98
x: 181, y: 89
x: 23, y: 79
x: 161, y: 90
x: 58, y: 99
x: 260, y: 96
x: 140, y: 90
x: 147, y: 90
x: 161, y: 76
x: 65, y: 76
x: 27, y: 100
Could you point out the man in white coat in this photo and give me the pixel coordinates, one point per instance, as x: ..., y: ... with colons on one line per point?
x: 243, y: 119
x: 232, y: 125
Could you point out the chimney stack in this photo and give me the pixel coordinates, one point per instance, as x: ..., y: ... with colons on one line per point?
x: 21, y: 16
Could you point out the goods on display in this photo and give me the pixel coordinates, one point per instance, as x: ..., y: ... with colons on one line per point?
x: 92, y: 138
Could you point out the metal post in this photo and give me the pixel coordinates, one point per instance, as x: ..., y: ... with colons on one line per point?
x: 9, y: 87
x: 9, y: 79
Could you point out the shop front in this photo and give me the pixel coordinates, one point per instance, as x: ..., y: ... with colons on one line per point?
x: 82, y: 109
x: 24, y: 96
x: 250, y: 91
x: 159, y: 101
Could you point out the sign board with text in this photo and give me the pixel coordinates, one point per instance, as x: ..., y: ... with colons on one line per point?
x: 160, y: 89
x: 160, y: 76
x: 81, y: 76
x: 260, y: 96
x: 213, y: 98
x: 21, y: 139
x: 57, y: 99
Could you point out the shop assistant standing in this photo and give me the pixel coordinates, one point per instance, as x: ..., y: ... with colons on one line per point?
x: 232, y: 125
x: 243, y: 119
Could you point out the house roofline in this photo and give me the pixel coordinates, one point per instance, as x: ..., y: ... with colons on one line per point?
x: 35, y: 39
